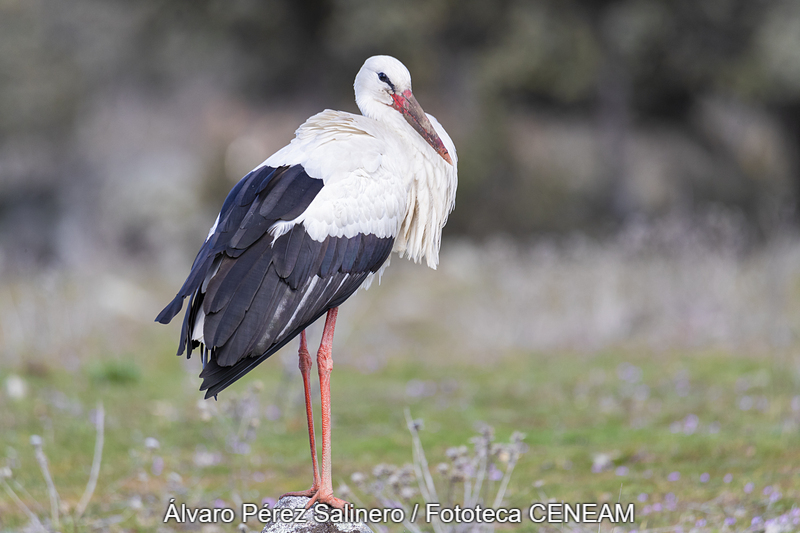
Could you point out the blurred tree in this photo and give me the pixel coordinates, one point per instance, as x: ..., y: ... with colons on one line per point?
x: 567, y: 114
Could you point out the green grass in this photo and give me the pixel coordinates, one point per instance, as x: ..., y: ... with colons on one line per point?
x: 652, y: 414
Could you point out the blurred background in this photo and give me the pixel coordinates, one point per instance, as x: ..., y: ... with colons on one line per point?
x: 650, y: 146
x: 625, y: 242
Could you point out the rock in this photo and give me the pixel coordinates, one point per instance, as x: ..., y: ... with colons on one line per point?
x: 310, y: 525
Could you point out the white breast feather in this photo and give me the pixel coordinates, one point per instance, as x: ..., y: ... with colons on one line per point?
x: 376, y: 180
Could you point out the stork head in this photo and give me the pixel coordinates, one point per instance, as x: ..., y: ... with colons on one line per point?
x: 384, y: 84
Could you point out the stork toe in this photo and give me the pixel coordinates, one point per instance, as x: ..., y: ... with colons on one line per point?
x: 328, y: 499
x: 308, y: 493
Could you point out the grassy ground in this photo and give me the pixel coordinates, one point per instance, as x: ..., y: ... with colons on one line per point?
x: 666, y: 380
x: 660, y: 430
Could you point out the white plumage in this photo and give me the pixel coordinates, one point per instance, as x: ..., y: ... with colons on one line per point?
x: 380, y: 175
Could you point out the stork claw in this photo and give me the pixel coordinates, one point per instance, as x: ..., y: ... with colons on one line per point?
x: 328, y: 499
x: 308, y: 493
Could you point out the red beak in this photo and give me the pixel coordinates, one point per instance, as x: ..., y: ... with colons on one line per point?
x: 414, y: 115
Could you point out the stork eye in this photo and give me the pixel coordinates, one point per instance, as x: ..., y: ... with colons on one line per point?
x: 384, y: 78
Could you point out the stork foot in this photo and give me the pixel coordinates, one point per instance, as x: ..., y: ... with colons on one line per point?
x: 308, y: 493
x: 328, y: 499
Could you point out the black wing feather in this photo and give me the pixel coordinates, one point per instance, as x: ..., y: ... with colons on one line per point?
x: 255, y: 292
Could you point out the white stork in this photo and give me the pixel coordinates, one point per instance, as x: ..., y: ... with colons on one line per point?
x: 310, y: 225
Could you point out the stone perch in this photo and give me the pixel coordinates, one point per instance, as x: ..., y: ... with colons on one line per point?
x: 311, y: 525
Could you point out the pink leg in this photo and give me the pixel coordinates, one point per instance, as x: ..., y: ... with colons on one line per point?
x: 325, y: 365
x: 305, y: 370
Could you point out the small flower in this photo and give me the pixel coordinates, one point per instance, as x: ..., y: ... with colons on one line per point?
x: 796, y: 403
x: 407, y: 493
x: 728, y: 478
x: 16, y: 387
x: 704, y: 477
x: 382, y: 470
x: 135, y: 503
x: 746, y: 403
x: 268, y: 502
x: 158, y: 466
x: 601, y: 461
x: 151, y: 444
x: 671, y: 501
x: 642, y: 497
x: 730, y: 521
x: 621, y: 471
x: 690, y: 424
x: 674, y: 476
x: 700, y: 523
x: 775, y: 496
x: 748, y: 488
x: 767, y: 490
x: 203, y: 458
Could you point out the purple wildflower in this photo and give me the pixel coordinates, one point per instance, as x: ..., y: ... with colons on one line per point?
x: 674, y: 476
x: 728, y: 478
x: 748, y: 488
x: 704, y: 477
x: 158, y: 466
x: 746, y: 403
x: 690, y: 424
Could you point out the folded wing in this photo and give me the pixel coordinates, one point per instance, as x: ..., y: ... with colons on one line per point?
x: 249, y: 292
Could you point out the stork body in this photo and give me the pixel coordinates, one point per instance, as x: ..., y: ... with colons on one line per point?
x: 304, y: 230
